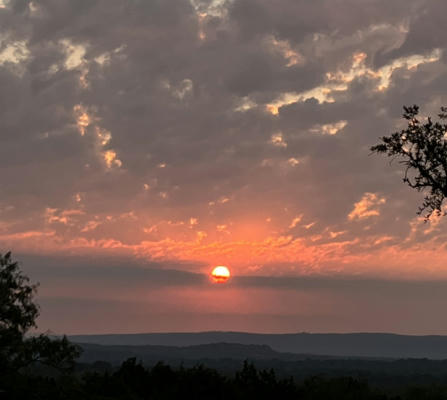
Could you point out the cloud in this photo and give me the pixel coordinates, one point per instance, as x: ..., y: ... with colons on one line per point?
x: 157, y: 300
x: 367, y: 207
x: 171, y: 130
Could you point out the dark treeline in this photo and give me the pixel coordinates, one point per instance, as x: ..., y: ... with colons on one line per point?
x: 133, y: 381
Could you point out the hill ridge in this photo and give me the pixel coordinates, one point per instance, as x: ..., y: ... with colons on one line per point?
x: 383, y: 345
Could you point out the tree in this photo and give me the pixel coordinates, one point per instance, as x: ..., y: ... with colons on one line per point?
x: 422, y: 149
x: 18, y: 314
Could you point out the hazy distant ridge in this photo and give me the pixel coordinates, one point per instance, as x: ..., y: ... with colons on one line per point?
x: 349, y: 344
x: 116, y: 354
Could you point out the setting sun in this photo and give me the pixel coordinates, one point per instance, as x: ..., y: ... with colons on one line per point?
x: 220, y: 274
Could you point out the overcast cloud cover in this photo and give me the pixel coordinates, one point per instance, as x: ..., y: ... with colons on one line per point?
x: 146, y: 141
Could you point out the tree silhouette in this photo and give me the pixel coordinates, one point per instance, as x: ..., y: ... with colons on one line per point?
x: 422, y: 149
x: 18, y: 314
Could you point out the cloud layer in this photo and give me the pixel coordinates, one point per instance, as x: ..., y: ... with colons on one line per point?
x: 218, y: 132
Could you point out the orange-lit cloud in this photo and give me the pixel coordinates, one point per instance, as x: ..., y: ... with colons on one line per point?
x: 367, y: 207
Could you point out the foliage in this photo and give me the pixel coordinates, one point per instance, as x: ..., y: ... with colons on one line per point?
x: 18, y: 314
x: 133, y: 381
x: 422, y: 148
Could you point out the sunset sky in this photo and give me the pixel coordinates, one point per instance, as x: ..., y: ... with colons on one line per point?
x: 144, y: 142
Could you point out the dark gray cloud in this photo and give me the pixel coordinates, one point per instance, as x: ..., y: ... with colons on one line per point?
x: 104, y: 271
x: 349, y: 286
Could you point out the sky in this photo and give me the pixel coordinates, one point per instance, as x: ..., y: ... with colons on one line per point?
x: 145, y: 142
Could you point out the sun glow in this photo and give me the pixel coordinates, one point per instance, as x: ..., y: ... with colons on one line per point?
x: 220, y: 274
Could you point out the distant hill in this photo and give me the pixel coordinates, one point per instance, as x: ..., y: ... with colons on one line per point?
x: 115, y: 354
x: 376, y: 345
